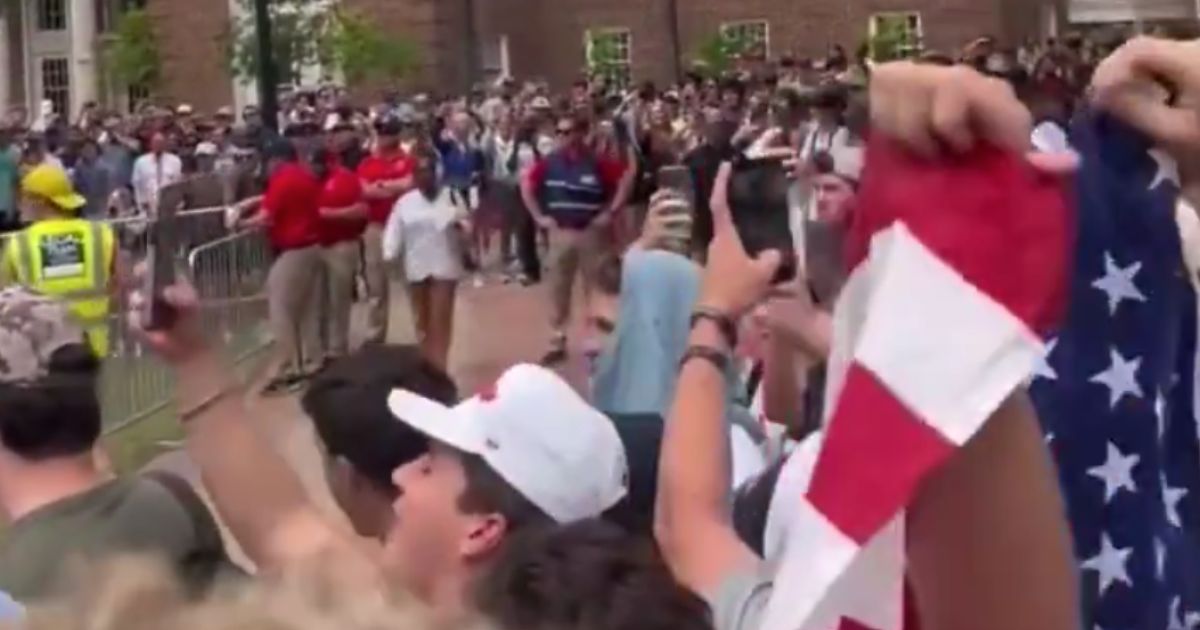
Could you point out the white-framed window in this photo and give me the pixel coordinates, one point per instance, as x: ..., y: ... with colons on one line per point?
x: 895, y: 34
x: 751, y: 38
x: 609, y: 53
x: 56, y: 83
x: 51, y: 15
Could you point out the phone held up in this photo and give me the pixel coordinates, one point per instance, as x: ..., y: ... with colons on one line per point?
x: 758, y: 201
x: 161, y: 251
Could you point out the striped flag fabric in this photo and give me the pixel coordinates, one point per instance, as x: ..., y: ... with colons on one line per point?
x: 1116, y: 389
x: 957, y: 268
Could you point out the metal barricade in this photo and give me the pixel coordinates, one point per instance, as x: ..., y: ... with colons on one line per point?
x: 229, y: 273
x: 229, y: 270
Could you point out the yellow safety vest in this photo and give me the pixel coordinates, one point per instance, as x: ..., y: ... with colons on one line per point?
x: 71, y: 259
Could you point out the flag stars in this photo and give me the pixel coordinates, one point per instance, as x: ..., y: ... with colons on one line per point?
x: 1109, y: 563
x: 1043, y: 369
x: 1120, y: 378
x: 1160, y: 415
x: 1171, y: 499
x: 1118, y: 283
x: 1166, y: 169
x: 1116, y: 472
x: 1160, y: 559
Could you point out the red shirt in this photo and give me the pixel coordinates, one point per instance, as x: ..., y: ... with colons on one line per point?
x: 608, y: 170
x: 377, y: 168
x: 341, y: 189
x: 291, y: 205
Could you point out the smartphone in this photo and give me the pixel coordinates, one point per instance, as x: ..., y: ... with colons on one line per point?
x: 758, y: 201
x: 161, y: 251
x: 676, y: 178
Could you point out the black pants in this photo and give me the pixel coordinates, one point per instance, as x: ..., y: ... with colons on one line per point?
x: 527, y: 247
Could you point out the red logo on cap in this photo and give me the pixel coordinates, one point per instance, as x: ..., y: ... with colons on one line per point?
x: 488, y: 392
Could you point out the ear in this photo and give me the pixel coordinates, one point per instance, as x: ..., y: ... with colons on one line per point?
x: 485, y: 533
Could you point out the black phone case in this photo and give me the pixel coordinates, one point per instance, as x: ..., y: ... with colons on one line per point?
x: 758, y: 200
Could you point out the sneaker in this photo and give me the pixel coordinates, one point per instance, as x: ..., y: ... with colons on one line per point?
x: 557, y: 353
x: 477, y: 281
x: 525, y: 280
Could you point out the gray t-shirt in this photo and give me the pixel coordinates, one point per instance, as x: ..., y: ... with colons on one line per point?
x: 740, y: 602
x: 136, y: 514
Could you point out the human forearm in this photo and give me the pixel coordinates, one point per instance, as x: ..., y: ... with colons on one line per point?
x: 529, y: 196
x: 354, y: 211
x: 696, y: 431
x: 781, y: 383
x: 257, y: 494
x: 988, y: 542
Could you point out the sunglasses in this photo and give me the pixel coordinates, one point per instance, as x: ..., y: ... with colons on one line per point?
x: 566, y: 131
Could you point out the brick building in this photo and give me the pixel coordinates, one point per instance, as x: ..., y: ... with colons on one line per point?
x: 50, y: 49
x: 549, y: 38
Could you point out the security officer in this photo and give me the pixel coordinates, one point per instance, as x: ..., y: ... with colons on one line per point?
x: 62, y: 255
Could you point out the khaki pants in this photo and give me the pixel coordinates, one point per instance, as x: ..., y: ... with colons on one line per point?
x: 341, y: 261
x: 574, y: 254
x: 293, y: 299
x: 376, y: 273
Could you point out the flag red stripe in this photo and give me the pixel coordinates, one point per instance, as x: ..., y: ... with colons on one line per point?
x: 875, y: 453
x: 988, y: 215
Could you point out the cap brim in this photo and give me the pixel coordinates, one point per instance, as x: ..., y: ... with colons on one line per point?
x: 72, y: 201
x: 449, y: 425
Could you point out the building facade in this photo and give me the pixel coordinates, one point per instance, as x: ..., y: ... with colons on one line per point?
x: 50, y: 49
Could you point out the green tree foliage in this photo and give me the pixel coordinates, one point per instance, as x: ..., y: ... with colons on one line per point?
x: 893, y: 39
x: 308, y: 33
x: 363, y: 52
x: 604, y: 58
x: 718, y: 54
x: 132, y: 57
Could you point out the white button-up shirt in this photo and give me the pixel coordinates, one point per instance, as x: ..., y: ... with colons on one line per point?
x: 151, y: 173
x: 425, y: 233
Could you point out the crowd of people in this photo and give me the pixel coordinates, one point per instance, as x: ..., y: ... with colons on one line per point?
x: 659, y: 498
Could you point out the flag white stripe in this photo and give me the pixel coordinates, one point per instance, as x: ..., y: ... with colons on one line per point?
x: 946, y: 350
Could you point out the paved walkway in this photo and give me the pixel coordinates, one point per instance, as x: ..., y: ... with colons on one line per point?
x: 496, y: 326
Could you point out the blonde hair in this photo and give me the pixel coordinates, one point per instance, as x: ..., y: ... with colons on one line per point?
x: 140, y: 593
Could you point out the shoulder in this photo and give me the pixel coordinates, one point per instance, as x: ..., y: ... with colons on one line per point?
x: 740, y: 601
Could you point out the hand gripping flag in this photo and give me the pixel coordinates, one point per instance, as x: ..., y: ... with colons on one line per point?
x: 956, y: 267
x: 1116, y: 389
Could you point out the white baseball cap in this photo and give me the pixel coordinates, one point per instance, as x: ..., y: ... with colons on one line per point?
x: 538, y: 434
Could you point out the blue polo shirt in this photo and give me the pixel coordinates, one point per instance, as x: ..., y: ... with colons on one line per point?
x: 462, y: 165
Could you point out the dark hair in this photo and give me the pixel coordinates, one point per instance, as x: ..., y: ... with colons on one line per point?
x: 348, y: 406
x: 487, y: 492
x: 605, y: 274
x: 57, y: 415
x: 588, y: 575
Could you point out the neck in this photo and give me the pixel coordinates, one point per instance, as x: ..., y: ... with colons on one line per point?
x: 28, y: 486
x: 446, y: 596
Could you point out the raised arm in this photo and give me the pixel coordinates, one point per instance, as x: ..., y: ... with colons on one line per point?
x: 693, y: 523
x: 258, y: 495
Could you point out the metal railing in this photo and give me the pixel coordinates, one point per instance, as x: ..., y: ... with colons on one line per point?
x: 229, y: 270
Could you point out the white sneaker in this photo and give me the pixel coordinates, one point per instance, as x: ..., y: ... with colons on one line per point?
x: 477, y: 281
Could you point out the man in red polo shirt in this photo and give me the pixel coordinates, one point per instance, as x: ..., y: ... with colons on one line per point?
x: 289, y: 212
x: 386, y: 174
x: 343, y: 219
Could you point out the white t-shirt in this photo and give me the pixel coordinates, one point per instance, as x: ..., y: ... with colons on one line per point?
x: 424, y: 232
x: 828, y: 141
x: 151, y: 174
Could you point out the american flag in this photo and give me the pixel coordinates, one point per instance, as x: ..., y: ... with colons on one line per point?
x: 956, y: 270
x: 1116, y: 389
